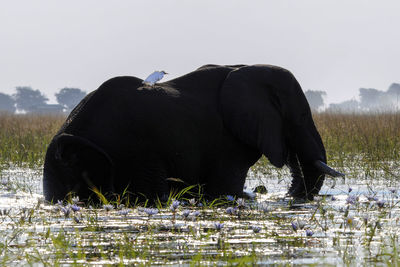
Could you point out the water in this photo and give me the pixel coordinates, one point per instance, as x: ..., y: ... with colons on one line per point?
x: 20, y: 187
x: 355, y: 221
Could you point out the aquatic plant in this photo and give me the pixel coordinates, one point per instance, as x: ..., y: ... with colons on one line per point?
x: 230, y: 198
x: 241, y: 202
x: 196, y: 213
x: 75, y: 199
x: 356, y: 225
x: 232, y: 210
x: 150, y: 211
x: 108, y: 207
x: 174, y: 205
x: 192, y: 201
x: 74, y: 207
x: 309, y: 232
x: 380, y: 203
x: 66, y: 211
x: 186, y: 213
x: 123, y: 212
x: 218, y: 226
x: 351, y: 199
x: 295, y: 226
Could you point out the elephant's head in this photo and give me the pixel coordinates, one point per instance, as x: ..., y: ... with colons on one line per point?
x: 76, y: 165
x: 265, y: 107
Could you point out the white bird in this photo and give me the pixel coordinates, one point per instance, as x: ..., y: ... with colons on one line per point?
x: 154, y: 77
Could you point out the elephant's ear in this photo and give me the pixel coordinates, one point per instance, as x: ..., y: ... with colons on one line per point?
x: 251, y: 110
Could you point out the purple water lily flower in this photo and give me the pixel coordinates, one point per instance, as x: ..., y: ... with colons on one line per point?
x: 174, y: 205
x: 150, y: 211
x: 295, y: 226
x: 230, y: 198
x: 66, y: 211
x: 241, y: 202
x: 309, y: 232
x: 4, y: 182
x: 231, y: 210
x: 350, y: 189
x: 218, y: 226
x: 186, y: 213
x: 124, y: 212
x: 192, y: 201
x: 380, y: 203
x: 372, y: 198
x: 108, y: 207
x: 75, y: 208
x: 75, y: 199
x: 196, y: 213
x: 351, y: 200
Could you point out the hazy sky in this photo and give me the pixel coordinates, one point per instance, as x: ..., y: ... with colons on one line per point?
x: 335, y: 46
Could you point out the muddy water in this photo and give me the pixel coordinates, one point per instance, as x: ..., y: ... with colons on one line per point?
x: 355, y: 221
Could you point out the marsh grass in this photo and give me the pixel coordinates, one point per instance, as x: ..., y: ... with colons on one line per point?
x: 362, y: 145
x: 367, y: 138
x: 360, y: 226
x: 374, y: 137
x: 24, y: 138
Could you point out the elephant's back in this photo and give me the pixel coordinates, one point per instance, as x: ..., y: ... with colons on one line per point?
x: 98, y: 101
x: 143, y: 118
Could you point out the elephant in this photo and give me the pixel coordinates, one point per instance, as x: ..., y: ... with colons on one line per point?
x: 207, y: 127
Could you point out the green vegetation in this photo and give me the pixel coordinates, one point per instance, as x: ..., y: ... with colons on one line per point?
x: 328, y: 231
x: 358, y: 144
x: 369, y: 138
x: 372, y: 137
x: 24, y: 138
x: 353, y: 223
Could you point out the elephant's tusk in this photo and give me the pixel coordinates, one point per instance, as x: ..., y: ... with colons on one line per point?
x: 327, y: 170
x: 173, y: 179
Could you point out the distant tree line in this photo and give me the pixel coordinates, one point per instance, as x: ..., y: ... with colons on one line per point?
x: 371, y: 100
x: 28, y: 100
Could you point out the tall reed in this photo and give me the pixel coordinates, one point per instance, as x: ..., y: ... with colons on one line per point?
x: 24, y: 138
x: 375, y: 137
x: 357, y: 138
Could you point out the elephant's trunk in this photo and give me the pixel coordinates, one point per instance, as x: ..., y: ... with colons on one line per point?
x: 307, y: 178
x: 295, y: 170
x: 307, y: 161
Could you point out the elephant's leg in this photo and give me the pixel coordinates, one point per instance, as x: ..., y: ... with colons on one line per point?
x: 226, y: 181
x: 231, y: 170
